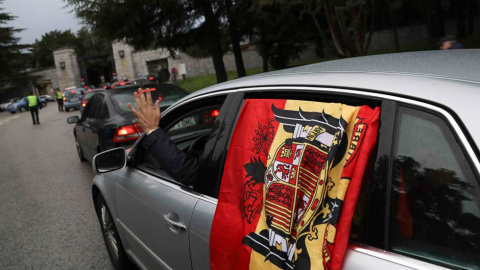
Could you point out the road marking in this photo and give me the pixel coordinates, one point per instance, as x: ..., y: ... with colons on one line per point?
x: 11, y: 118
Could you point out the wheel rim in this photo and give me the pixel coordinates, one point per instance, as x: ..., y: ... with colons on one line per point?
x: 107, y: 228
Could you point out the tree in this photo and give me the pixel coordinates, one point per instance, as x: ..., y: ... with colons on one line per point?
x: 12, y: 59
x: 278, y: 32
x: 347, y: 22
x: 167, y: 24
x: 42, y: 50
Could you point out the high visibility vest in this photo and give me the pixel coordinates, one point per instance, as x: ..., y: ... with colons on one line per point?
x: 32, y: 101
x: 59, y: 95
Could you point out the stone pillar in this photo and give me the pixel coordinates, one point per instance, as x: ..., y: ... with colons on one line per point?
x: 123, y: 56
x: 68, y: 73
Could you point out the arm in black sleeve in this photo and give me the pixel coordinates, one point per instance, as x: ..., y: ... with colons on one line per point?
x: 175, y: 162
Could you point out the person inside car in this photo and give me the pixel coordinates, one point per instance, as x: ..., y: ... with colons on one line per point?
x: 175, y: 162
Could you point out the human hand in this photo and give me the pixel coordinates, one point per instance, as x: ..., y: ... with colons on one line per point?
x: 148, y: 116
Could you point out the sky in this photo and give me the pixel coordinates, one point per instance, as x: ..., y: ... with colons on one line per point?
x: 38, y: 17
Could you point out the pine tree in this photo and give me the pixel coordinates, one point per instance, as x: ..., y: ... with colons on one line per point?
x: 13, y: 60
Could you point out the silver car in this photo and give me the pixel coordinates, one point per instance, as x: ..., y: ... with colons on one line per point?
x: 428, y: 136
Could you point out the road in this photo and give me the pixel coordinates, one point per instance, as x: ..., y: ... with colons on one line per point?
x: 47, y: 219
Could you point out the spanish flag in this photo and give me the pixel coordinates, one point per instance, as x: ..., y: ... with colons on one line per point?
x: 290, y: 184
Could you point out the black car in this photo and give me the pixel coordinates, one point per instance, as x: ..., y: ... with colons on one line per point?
x: 107, y: 122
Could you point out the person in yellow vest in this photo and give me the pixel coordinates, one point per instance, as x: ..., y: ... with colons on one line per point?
x: 32, y: 104
x: 59, y: 97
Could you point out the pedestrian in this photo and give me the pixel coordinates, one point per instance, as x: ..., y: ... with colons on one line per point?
x: 174, y: 75
x: 59, y: 97
x: 450, y: 43
x: 32, y: 104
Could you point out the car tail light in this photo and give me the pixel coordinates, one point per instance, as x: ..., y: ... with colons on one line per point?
x: 15, y: 106
x: 73, y: 91
x: 151, y: 89
x: 122, y: 83
x: 210, y: 115
x: 150, y: 78
x: 126, y: 133
x: 138, y: 128
x: 105, y: 87
x: 84, y: 103
x: 215, y: 113
x: 64, y: 99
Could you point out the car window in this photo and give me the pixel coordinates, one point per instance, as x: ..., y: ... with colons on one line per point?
x: 91, y: 108
x: 189, y: 128
x: 436, y: 195
x: 167, y: 96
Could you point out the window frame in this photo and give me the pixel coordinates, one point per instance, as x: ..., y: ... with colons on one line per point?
x: 449, y: 126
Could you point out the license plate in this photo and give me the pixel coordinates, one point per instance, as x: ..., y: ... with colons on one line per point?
x: 185, y: 122
x: 73, y: 99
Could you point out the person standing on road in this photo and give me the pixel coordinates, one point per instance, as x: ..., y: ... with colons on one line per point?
x: 32, y: 103
x: 59, y: 97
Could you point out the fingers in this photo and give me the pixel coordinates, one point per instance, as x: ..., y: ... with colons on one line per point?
x: 137, y: 100
x: 157, y: 110
x: 149, y: 97
x: 141, y: 98
x: 132, y: 109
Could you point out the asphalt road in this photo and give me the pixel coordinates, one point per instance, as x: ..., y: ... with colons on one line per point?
x: 47, y: 219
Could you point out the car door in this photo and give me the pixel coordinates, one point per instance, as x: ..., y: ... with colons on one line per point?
x: 91, y: 126
x: 154, y: 211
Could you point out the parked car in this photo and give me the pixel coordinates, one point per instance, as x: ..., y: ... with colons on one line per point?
x: 4, y: 104
x: 86, y: 97
x: 72, y: 98
x: 47, y: 98
x: 107, y: 122
x: 429, y: 134
x: 21, y: 105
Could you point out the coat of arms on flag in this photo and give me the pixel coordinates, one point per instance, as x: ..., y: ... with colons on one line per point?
x: 285, y: 184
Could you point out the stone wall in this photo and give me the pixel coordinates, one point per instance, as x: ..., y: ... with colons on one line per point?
x: 70, y: 74
x: 46, y: 81
x: 124, y: 65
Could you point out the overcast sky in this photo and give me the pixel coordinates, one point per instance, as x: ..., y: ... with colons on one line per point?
x: 38, y: 17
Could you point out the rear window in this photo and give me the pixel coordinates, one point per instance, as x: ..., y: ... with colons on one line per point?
x: 167, y: 97
x: 88, y: 95
x: 72, y: 94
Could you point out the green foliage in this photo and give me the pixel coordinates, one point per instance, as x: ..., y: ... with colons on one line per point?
x: 42, y: 51
x: 12, y: 59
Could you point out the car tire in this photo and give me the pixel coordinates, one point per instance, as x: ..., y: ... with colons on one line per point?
x: 79, y: 150
x: 22, y: 109
x: 67, y: 109
x: 13, y: 112
x: 44, y: 104
x: 113, y: 243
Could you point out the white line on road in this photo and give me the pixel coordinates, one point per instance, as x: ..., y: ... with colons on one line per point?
x: 11, y: 118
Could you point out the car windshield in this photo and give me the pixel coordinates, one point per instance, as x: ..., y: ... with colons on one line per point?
x: 167, y: 96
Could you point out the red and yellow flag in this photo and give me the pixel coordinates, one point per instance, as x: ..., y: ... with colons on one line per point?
x: 290, y: 184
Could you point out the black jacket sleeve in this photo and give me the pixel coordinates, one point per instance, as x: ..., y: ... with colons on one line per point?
x: 175, y: 162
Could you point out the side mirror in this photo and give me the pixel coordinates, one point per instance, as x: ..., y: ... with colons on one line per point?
x: 110, y: 160
x: 73, y: 119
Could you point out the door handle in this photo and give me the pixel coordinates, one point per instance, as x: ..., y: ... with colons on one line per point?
x: 174, y: 222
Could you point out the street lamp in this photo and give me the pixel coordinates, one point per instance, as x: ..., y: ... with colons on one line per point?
x: 62, y: 65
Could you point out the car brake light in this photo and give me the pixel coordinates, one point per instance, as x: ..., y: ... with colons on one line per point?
x: 105, y: 87
x: 138, y: 128
x: 15, y: 106
x: 151, y: 89
x: 64, y: 98
x: 125, y: 133
x: 150, y: 78
x: 160, y: 98
x: 122, y: 83
x: 85, y: 86
x: 73, y: 91
x: 215, y: 113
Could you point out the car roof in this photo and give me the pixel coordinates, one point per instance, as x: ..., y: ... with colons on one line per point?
x: 449, y: 78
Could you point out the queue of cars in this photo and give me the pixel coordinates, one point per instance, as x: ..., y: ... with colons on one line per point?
x: 107, y: 122
x: 419, y: 205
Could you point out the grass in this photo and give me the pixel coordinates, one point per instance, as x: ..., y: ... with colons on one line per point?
x: 196, y: 83
x: 200, y: 82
